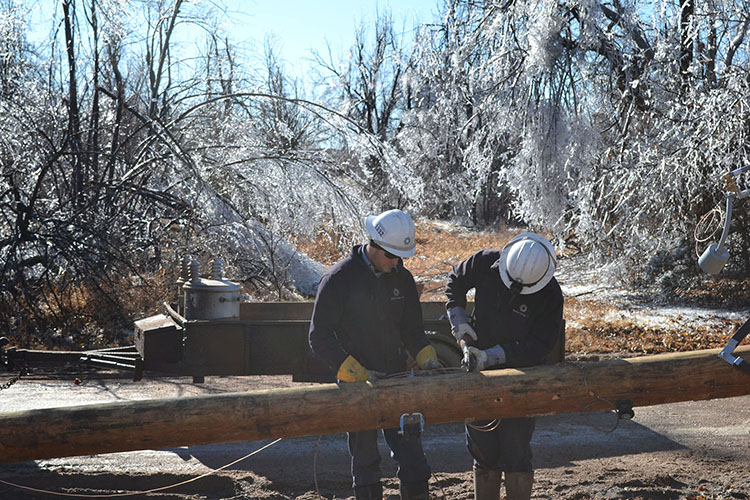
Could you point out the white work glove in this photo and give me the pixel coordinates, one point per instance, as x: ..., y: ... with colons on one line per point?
x: 477, y: 359
x: 460, y: 326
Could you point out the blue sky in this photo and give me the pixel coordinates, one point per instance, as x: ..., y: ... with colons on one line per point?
x: 298, y: 26
x: 301, y: 25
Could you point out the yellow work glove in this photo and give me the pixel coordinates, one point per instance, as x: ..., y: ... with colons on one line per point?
x: 352, y: 371
x: 427, y: 359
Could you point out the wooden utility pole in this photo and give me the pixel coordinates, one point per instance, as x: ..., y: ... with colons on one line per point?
x: 332, y: 408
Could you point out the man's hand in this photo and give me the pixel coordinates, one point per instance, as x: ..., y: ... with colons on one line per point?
x: 477, y: 359
x: 462, y: 330
x: 474, y: 359
x: 352, y: 371
x: 427, y: 359
x: 460, y: 326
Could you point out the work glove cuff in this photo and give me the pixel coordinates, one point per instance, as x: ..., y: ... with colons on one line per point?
x: 495, y: 355
x: 483, y: 358
x: 457, y: 315
x: 460, y: 326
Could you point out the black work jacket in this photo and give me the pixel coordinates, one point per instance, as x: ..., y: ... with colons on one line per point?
x: 525, y: 326
x: 373, y: 318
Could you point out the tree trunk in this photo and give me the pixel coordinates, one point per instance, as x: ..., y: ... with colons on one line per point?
x: 331, y: 408
x: 687, y: 9
x: 74, y: 120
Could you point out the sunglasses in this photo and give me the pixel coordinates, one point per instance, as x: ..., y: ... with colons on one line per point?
x: 388, y: 255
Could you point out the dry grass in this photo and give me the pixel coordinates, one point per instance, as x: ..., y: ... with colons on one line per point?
x: 441, y: 246
x: 598, y: 328
x: 718, y: 292
x: 85, y: 315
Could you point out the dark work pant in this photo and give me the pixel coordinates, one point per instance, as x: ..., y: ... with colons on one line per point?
x: 506, y: 448
x: 363, y: 447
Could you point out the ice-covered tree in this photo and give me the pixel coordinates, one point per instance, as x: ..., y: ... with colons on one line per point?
x: 610, y: 122
x: 366, y: 88
x: 128, y: 152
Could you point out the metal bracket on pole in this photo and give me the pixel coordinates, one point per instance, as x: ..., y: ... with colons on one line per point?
x: 727, y: 353
x: 412, y: 425
x: 730, y: 182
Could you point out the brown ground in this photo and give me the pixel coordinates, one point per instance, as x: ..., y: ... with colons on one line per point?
x: 692, y: 450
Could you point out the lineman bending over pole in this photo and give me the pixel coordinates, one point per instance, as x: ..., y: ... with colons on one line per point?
x: 517, y: 320
x: 366, y: 317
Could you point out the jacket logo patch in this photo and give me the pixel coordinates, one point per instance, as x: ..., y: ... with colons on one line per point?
x: 522, y: 310
x: 396, y: 294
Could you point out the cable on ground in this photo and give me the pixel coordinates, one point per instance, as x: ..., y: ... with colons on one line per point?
x: 133, y: 493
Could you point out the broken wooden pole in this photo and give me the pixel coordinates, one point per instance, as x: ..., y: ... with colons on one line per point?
x: 331, y: 408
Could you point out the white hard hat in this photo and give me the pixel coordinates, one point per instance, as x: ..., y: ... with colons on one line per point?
x: 528, y: 262
x: 394, y: 231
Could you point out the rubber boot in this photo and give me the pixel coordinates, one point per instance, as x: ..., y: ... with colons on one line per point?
x: 518, y: 485
x: 486, y: 484
x: 369, y: 492
x: 418, y: 490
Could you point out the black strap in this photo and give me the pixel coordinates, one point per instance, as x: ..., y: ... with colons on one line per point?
x: 742, y: 332
x: 728, y: 356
